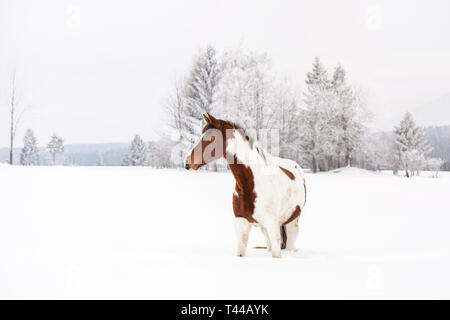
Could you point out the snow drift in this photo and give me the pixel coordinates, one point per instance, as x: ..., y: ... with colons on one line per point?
x: 134, y: 232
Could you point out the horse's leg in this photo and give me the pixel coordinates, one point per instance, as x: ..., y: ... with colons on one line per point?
x: 273, y: 229
x: 266, y: 235
x: 242, y: 227
x: 292, y: 233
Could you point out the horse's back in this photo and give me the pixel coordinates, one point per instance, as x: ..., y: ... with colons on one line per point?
x: 292, y: 166
x: 298, y: 177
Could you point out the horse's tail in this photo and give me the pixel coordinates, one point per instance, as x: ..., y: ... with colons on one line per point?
x: 283, y: 237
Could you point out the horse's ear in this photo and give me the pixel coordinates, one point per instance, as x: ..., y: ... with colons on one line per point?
x: 212, y: 119
x: 206, y: 119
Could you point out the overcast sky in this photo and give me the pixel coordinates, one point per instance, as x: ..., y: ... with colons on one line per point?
x: 98, y: 71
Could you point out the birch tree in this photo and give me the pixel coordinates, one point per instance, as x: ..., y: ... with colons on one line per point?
x: 176, y: 119
x: 15, y: 116
x: 56, y: 149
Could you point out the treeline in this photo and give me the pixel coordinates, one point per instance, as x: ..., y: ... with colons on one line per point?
x: 323, y: 127
x: 30, y: 154
x: 154, y: 154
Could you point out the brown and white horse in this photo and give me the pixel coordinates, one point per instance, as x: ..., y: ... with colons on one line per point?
x: 270, y: 191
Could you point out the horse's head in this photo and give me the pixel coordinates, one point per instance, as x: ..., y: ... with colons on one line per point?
x: 212, y: 144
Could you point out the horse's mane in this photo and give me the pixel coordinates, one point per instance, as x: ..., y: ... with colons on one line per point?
x: 253, y: 144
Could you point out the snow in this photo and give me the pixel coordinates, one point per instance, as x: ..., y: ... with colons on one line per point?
x: 135, y: 232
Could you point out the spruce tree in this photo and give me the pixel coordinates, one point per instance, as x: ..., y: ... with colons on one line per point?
x: 30, y: 151
x: 200, y: 91
x: 349, y: 117
x: 317, y: 117
x: 138, y: 153
x: 411, y: 148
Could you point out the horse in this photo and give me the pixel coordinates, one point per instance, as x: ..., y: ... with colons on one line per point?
x: 270, y: 192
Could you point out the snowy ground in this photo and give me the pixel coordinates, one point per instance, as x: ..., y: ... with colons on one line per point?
x: 74, y: 232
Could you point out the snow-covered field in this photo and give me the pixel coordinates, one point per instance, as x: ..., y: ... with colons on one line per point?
x: 124, y: 232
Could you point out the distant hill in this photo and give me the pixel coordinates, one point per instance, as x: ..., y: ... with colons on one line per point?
x: 439, y: 139
x: 87, y: 154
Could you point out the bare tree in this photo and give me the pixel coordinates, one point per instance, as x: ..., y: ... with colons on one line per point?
x: 175, y: 109
x: 15, y: 116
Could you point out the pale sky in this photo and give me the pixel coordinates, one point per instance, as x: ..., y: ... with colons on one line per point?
x: 98, y: 71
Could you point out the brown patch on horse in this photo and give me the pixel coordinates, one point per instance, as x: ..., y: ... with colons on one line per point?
x: 288, y: 173
x: 244, y: 199
x: 260, y: 247
x: 294, y: 215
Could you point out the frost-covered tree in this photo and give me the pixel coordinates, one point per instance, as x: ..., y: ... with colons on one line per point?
x: 252, y: 95
x: 200, y: 91
x: 318, y: 123
x: 30, y: 152
x: 158, y: 153
x: 333, y: 120
x: 15, y: 115
x: 434, y: 165
x: 350, y: 116
x: 138, y: 153
x: 411, y: 149
x: 176, y: 119
x: 126, y: 160
x: 247, y: 90
x: 193, y: 96
x: 56, y: 149
x: 327, y: 129
x: 286, y: 120
x: 373, y: 152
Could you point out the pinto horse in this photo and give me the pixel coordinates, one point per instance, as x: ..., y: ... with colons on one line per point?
x: 270, y: 191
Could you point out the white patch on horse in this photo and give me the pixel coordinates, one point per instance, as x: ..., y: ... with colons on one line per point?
x: 242, y: 227
x: 277, y: 195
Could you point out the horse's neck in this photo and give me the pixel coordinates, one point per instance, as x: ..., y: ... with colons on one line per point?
x: 243, y: 176
x: 247, y: 153
x: 243, y: 160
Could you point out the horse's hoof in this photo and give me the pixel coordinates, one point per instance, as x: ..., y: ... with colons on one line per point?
x: 276, y: 255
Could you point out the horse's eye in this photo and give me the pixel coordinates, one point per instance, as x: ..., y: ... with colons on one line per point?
x: 209, y: 137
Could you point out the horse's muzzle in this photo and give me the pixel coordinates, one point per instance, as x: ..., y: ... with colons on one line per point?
x: 188, y: 166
